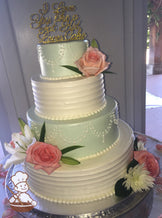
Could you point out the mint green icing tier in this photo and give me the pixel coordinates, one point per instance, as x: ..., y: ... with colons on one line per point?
x: 53, y: 56
x: 97, y: 133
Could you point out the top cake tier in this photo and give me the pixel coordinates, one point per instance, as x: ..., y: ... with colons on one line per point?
x: 53, y: 56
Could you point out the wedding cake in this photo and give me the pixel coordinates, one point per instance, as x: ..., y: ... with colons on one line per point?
x: 76, y: 151
x: 76, y: 111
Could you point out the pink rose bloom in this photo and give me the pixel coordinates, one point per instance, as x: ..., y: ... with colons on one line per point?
x: 150, y: 162
x: 9, y: 213
x: 159, y: 147
x: 92, y: 62
x: 44, y: 156
x: 3, y: 173
x: 6, y: 202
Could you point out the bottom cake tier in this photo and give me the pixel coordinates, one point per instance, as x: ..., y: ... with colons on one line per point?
x: 92, y: 180
x: 135, y: 205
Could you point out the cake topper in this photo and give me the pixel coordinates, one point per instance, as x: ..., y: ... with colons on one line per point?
x: 59, y: 27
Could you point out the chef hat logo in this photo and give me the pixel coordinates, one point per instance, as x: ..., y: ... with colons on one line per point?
x: 19, y: 177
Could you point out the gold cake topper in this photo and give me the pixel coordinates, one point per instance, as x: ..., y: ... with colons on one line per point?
x: 60, y: 27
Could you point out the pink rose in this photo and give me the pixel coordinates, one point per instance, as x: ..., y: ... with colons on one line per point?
x: 92, y: 62
x: 159, y: 147
x: 149, y: 161
x: 44, y: 156
x: 9, y: 213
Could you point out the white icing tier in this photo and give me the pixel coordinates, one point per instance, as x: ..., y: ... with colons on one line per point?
x: 92, y: 180
x: 68, y: 99
x: 53, y: 56
x: 96, y: 133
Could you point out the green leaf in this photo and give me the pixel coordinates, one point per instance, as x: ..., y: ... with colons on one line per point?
x: 120, y: 189
x: 105, y: 71
x: 75, y: 69
x: 43, y: 132
x: 135, y: 144
x: 69, y: 160
x: 94, y: 43
x: 71, y: 148
x: 132, y: 164
x: 22, y: 124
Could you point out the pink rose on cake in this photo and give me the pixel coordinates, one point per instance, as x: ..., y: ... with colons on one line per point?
x: 44, y: 156
x: 92, y: 63
x: 150, y: 162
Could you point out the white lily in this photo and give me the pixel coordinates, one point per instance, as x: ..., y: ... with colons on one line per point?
x: 18, y: 146
x: 141, y: 146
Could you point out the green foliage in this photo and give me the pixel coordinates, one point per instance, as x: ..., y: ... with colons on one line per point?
x: 75, y: 69
x: 120, y: 189
x: 154, y: 15
x: 69, y: 160
x: 132, y: 164
x: 22, y: 124
x: 42, y: 133
x: 70, y: 148
x: 94, y: 43
x: 135, y: 144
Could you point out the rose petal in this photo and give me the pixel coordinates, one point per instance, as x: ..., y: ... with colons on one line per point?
x: 9, y: 213
x: 44, y: 156
x: 159, y: 147
x: 3, y: 174
x: 150, y: 162
x: 92, y: 62
x: 6, y: 202
x: 48, y: 170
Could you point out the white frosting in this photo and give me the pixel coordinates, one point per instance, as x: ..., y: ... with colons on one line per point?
x: 92, y: 180
x: 68, y: 99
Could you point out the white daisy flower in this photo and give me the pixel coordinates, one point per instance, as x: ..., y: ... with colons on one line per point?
x: 138, y: 179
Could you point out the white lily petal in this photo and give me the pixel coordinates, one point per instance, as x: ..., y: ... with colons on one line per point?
x: 15, y: 136
x: 22, y: 141
x: 8, y: 147
x: 28, y: 133
x: 141, y: 146
x: 16, y: 158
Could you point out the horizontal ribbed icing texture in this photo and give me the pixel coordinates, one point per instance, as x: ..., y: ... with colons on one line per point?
x: 68, y: 99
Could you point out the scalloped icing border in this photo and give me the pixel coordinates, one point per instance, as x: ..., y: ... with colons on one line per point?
x: 99, y: 153
x: 105, y: 150
x: 71, y: 118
